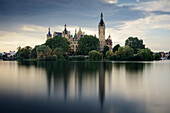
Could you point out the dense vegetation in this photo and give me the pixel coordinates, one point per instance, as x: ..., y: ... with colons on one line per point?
x: 58, y: 48
x: 135, y: 44
x: 87, y: 43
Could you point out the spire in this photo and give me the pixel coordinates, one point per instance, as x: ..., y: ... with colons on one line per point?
x: 49, y: 31
x: 101, y: 15
x: 101, y: 23
x: 65, y: 30
x: 109, y: 37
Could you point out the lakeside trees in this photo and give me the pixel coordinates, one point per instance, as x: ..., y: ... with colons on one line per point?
x: 115, y: 48
x: 58, y: 42
x: 25, y: 53
x: 59, y: 48
x: 95, y: 55
x: 135, y: 43
x: 87, y: 43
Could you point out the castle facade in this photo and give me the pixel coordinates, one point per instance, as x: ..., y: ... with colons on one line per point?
x: 74, y: 39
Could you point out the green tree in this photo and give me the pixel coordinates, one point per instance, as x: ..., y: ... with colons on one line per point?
x: 145, y: 54
x: 58, y: 52
x: 34, y: 51
x: 58, y: 42
x: 25, y: 53
x: 106, y: 48
x: 43, y: 52
x: 157, y: 56
x: 87, y: 43
x: 95, y: 55
x: 109, y: 54
x: 115, y: 48
x: 134, y: 43
x: 125, y: 53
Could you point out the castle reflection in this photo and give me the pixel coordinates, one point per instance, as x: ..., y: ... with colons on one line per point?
x: 86, y: 80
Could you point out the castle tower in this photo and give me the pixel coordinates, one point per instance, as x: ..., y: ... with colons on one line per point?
x: 65, y: 33
x: 109, y: 43
x: 101, y: 30
x: 80, y: 33
x: 49, y: 34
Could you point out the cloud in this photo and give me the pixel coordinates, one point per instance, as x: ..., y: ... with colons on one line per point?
x: 111, y: 1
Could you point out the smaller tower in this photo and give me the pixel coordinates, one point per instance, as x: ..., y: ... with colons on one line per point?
x: 65, y: 33
x: 80, y: 33
x: 109, y: 43
x: 49, y: 34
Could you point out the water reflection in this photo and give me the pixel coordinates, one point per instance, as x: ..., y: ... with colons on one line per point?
x: 107, y: 87
x: 79, y: 79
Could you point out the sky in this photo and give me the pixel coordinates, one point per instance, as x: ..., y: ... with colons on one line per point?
x: 26, y: 22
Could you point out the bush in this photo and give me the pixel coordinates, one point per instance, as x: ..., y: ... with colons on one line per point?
x: 72, y: 58
x: 157, y: 56
x: 109, y: 54
x: 80, y: 57
x: 125, y: 53
x: 113, y: 57
x: 44, y: 53
x: 51, y: 58
x: 95, y: 55
x: 58, y: 52
x: 76, y: 58
x: 145, y: 55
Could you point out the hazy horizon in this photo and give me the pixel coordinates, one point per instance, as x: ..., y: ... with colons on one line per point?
x: 26, y: 22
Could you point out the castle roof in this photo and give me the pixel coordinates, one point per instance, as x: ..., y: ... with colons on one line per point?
x: 101, y: 23
x: 65, y: 30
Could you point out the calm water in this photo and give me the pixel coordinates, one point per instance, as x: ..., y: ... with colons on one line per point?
x: 85, y: 87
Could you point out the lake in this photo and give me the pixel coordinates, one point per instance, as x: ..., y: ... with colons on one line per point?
x: 85, y: 87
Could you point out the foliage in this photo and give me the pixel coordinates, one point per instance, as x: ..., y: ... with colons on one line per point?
x: 58, y: 42
x: 134, y: 43
x: 125, y: 53
x: 106, y: 48
x: 34, y: 52
x: 87, y: 43
x: 115, y: 48
x: 157, y: 56
x: 145, y: 54
x: 44, y: 52
x: 58, y: 52
x: 109, y: 54
x: 25, y: 53
x: 95, y: 55
x: 76, y: 58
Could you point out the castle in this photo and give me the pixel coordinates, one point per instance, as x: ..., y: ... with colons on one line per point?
x: 74, y: 39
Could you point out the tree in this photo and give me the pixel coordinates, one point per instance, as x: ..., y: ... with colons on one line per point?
x: 157, y: 56
x: 125, y: 53
x: 25, y: 53
x: 58, y: 52
x: 87, y: 43
x: 106, y: 48
x: 95, y: 55
x: 145, y: 54
x: 135, y: 43
x: 58, y: 42
x: 43, y: 52
x: 34, y: 51
x: 109, y: 54
x: 115, y: 48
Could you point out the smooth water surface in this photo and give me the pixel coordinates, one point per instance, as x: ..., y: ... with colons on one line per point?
x: 85, y: 87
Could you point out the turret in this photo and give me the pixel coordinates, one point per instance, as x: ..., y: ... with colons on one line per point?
x: 49, y: 34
